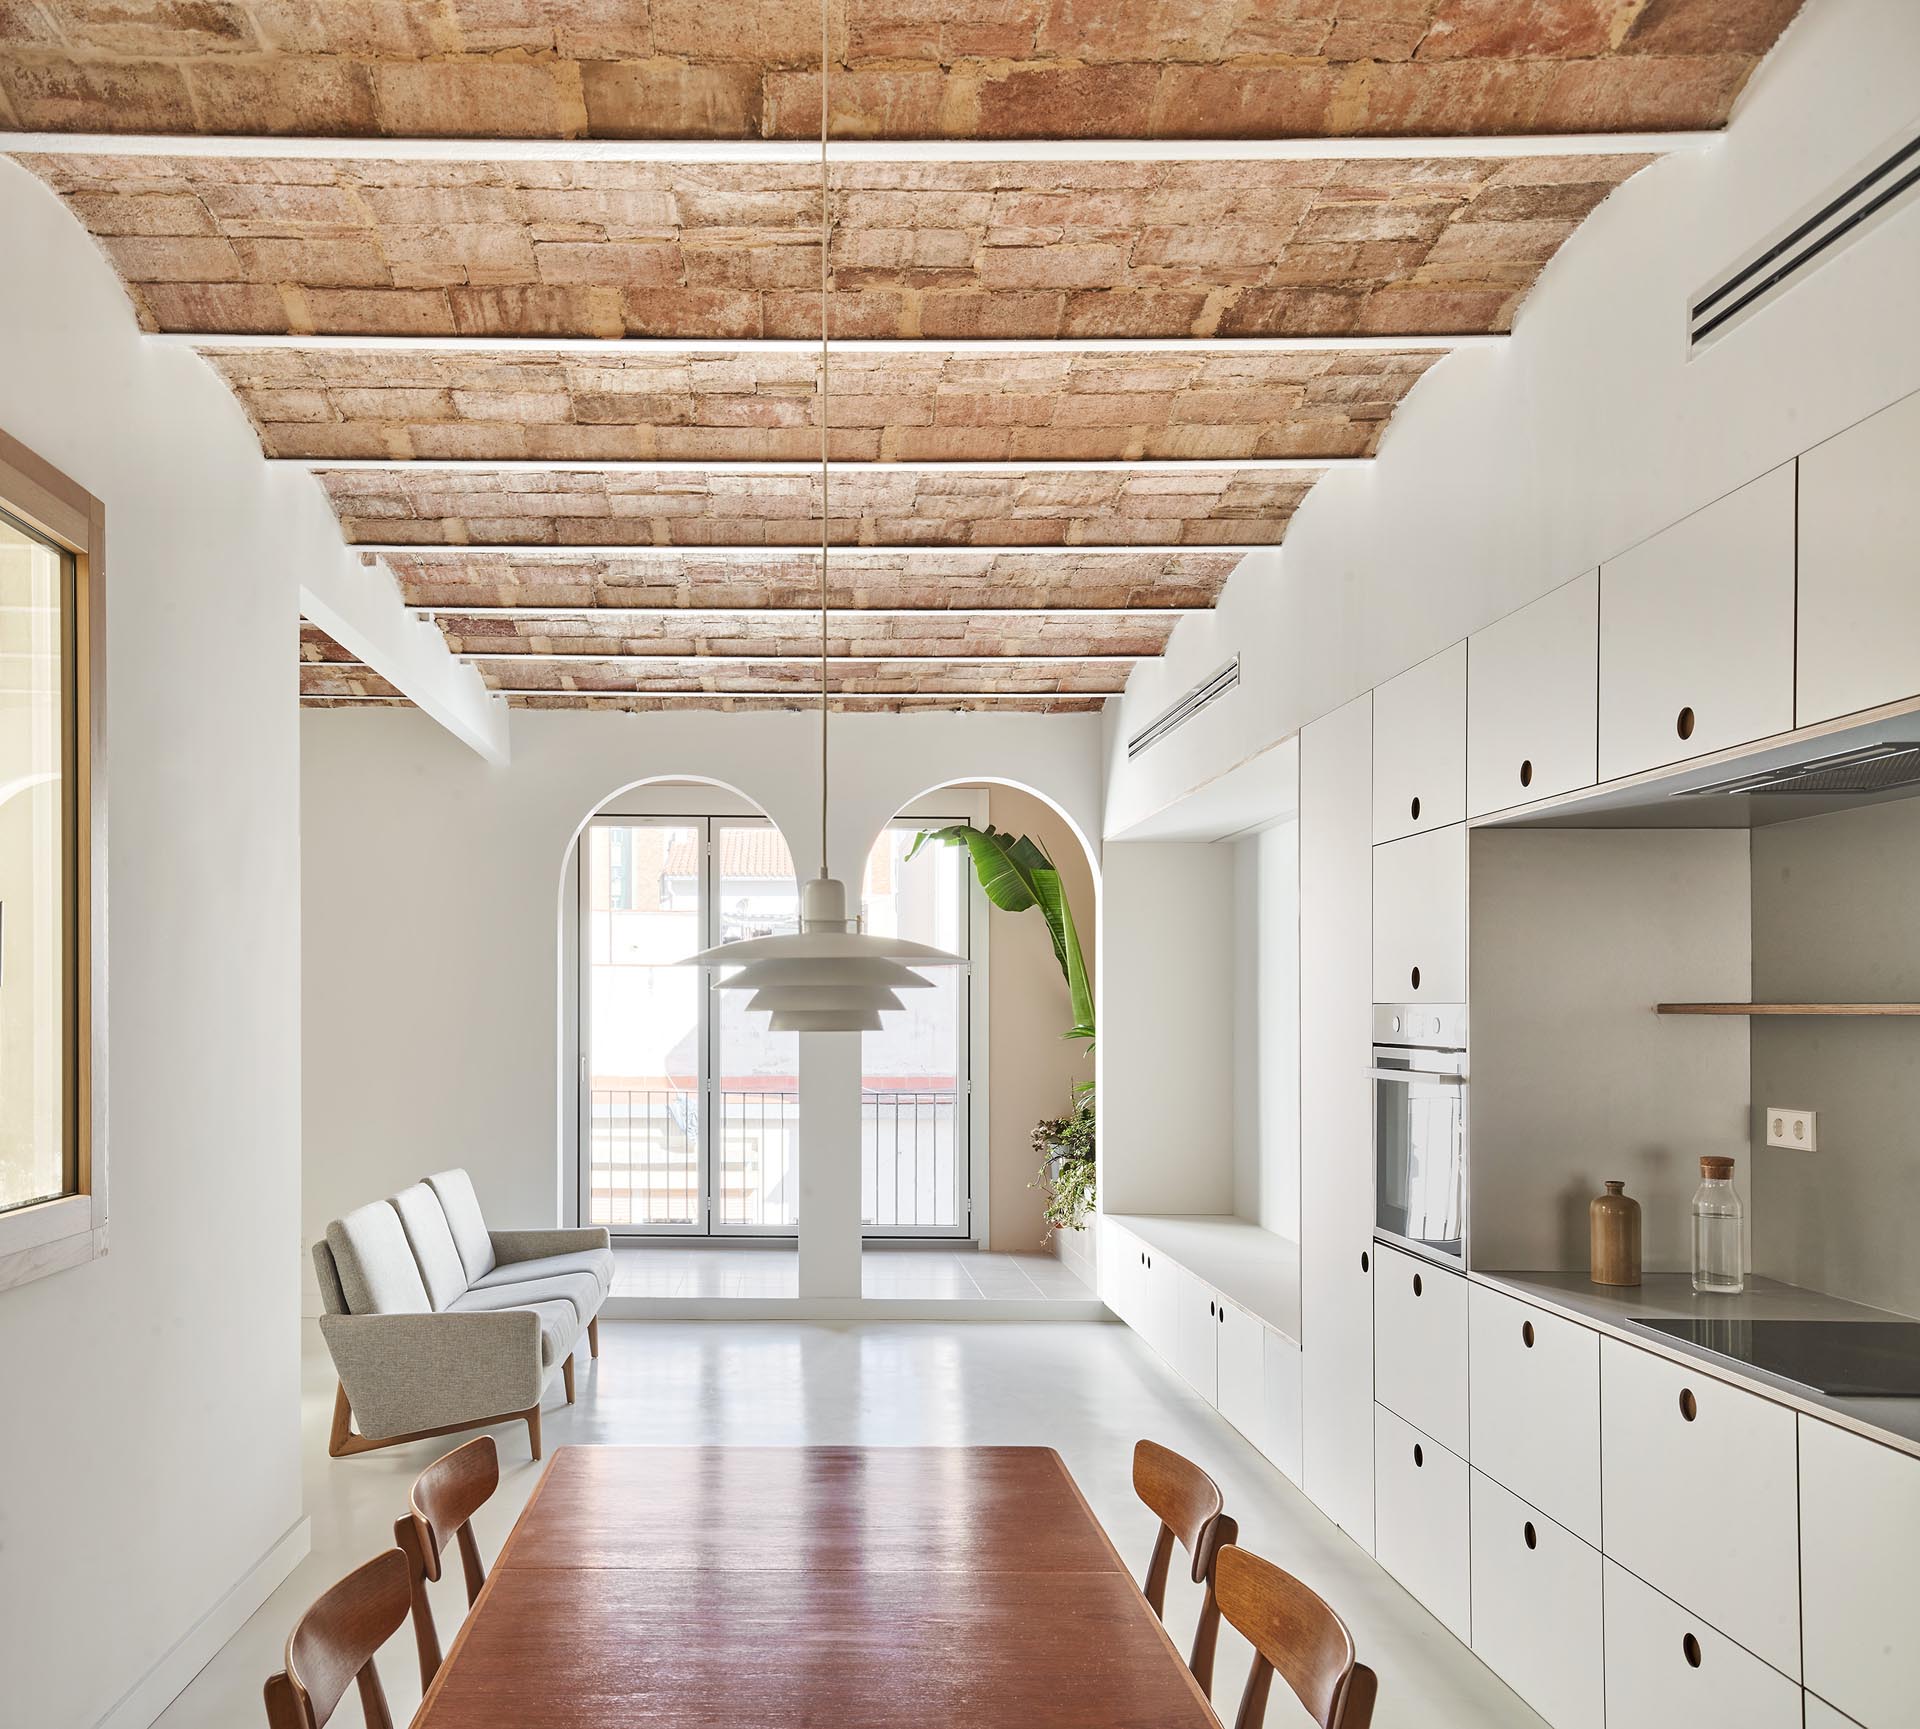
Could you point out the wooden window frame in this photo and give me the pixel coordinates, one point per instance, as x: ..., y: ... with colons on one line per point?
x: 51, y: 1236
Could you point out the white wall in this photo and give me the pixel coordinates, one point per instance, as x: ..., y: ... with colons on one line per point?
x: 1266, y: 1028
x: 1510, y: 471
x: 432, y: 899
x: 149, y: 1463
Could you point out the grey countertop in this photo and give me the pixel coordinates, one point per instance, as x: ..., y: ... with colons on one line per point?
x: 1670, y: 1296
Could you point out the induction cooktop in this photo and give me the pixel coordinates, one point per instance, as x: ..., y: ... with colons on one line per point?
x: 1844, y: 1359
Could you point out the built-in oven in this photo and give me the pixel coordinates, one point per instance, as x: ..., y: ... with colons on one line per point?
x: 1420, y: 1128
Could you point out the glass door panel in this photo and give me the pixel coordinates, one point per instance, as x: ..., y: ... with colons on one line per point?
x: 913, y: 1117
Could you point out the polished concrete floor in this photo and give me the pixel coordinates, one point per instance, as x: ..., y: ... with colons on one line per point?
x: 1087, y: 1388
x: 686, y: 1272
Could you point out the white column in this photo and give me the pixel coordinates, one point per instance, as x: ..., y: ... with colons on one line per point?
x: 829, y: 1164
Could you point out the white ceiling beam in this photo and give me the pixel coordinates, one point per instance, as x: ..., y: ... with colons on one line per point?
x: 632, y: 465
x: 789, y: 152
x: 666, y: 347
x: 582, y: 551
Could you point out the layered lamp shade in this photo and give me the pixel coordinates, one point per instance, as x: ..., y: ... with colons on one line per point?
x: 828, y: 977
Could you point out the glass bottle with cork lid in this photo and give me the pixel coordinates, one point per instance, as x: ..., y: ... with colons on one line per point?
x: 1719, y: 1238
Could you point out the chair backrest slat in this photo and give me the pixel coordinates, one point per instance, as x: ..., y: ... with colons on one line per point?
x: 332, y: 1647
x: 1189, y: 1504
x: 1295, y: 1635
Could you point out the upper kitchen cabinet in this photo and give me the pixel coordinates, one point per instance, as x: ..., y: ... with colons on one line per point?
x: 1420, y: 747
x: 1420, y: 918
x: 1696, y: 632
x: 1533, y: 700
x: 1860, y: 567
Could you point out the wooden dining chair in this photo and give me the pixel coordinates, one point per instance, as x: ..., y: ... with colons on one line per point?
x: 445, y: 1497
x: 333, y: 1644
x: 1188, y: 1502
x: 1293, y: 1634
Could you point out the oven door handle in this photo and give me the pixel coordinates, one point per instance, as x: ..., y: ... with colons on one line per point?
x: 1417, y: 1075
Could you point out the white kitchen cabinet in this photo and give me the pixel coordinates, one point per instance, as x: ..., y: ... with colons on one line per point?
x: 1533, y: 700
x: 1696, y: 632
x: 1859, y: 594
x: 1159, y: 1303
x: 1197, y: 1336
x: 1536, y: 1609
x: 1421, y: 1536
x: 1281, y: 1441
x: 1420, y: 918
x: 1700, y: 1497
x: 1241, y: 1356
x: 1120, y: 1272
x: 1534, y: 1407
x: 1667, y: 1666
x: 1420, y: 747
x: 1336, y: 1118
x: 1821, y: 1715
x: 1420, y: 1345
x: 1860, y: 1574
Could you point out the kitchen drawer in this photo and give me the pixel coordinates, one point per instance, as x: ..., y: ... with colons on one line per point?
x: 1281, y: 1442
x: 1534, y: 1407
x: 1420, y: 747
x: 1242, y: 1361
x: 1696, y: 632
x: 1699, y: 1496
x: 1420, y: 1345
x: 1666, y: 1666
x: 1197, y: 1336
x: 1420, y: 1520
x: 1420, y: 918
x: 1859, y: 594
x: 1533, y: 700
x: 1536, y: 1608
x: 1860, y: 1574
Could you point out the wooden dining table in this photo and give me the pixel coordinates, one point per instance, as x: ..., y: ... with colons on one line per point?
x: 811, y: 1588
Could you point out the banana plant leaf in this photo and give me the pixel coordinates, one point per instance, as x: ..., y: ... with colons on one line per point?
x: 1015, y: 873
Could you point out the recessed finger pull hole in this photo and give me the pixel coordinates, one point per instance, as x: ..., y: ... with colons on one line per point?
x: 1683, y: 725
x: 1419, y: 1458
x: 1365, y: 1264
x: 1691, y: 1646
x: 1532, y: 1536
x: 1526, y: 772
x: 1416, y: 1284
x: 1416, y: 978
x: 1526, y: 1334
x: 1415, y: 807
x: 1689, y: 1406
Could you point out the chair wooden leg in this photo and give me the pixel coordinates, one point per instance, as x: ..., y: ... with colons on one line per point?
x: 533, y: 1430
x: 567, y: 1372
x: 593, y: 1336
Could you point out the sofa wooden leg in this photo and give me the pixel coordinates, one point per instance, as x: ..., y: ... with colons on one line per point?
x: 343, y: 1443
x: 533, y: 1430
x: 568, y: 1373
x: 341, y: 1436
x: 593, y: 1336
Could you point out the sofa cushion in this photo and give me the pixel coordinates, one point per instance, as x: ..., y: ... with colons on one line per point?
x: 378, y: 1274
x: 582, y: 1290
x: 333, y: 1300
x: 431, y: 1240
x: 559, y: 1330
x: 462, y: 1207
x: 598, y: 1262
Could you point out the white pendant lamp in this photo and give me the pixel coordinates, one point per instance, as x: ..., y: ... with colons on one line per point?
x: 830, y: 977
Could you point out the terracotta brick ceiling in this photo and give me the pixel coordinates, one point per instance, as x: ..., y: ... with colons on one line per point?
x: 1184, y: 341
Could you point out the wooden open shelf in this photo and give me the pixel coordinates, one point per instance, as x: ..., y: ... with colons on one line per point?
x: 1788, y: 1008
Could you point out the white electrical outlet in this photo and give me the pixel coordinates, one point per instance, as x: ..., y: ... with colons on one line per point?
x: 1788, y: 1128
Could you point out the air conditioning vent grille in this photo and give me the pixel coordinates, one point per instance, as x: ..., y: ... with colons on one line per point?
x: 1829, y: 224
x: 1186, y: 708
x: 1874, y: 768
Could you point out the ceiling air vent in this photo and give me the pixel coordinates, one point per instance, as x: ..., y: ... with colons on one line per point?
x: 1847, y: 211
x: 1186, y: 708
x: 1875, y: 768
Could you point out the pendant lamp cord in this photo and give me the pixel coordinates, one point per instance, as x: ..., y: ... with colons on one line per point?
x: 826, y: 518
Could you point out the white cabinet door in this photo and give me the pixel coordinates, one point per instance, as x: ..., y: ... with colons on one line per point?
x: 1696, y: 632
x: 1421, y: 1538
x: 1860, y: 1574
x: 1534, y: 1407
x: 1420, y: 1345
x: 1859, y: 642
x: 1197, y: 1336
x: 1420, y: 747
x: 1536, y: 1608
x: 1821, y: 1715
x: 1242, y: 1359
x: 1336, y: 1118
x: 1700, y: 1496
x: 1666, y: 1666
x: 1420, y: 918
x: 1159, y: 1303
x: 1282, y: 1440
x: 1533, y: 700
x: 1119, y: 1272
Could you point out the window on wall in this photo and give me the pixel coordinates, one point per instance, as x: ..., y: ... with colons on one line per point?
x: 52, y: 1166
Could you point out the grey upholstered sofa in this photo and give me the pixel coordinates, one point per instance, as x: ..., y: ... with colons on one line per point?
x: 437, y: 1323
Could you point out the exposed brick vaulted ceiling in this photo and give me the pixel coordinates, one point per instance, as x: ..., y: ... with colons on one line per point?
x: 416, y: 311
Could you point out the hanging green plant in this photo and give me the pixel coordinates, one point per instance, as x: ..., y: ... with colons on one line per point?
x: 1067, y: 1168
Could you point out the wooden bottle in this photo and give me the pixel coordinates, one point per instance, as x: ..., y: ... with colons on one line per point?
x: 1613, y: 1223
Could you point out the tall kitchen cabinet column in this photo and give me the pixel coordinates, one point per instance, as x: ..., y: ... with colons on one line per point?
x: 1336, y: 1160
